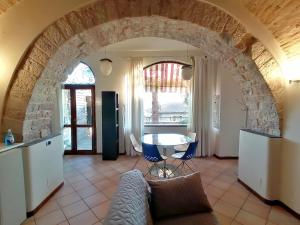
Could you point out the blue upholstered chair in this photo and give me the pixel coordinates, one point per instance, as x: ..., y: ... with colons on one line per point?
x: 183, y: 148
x: 151, y: 154
x: 185, y: 156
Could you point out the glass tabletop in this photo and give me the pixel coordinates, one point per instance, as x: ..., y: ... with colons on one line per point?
x: 166, y: 139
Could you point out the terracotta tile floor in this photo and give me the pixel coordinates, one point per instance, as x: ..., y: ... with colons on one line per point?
x: 90, y: 183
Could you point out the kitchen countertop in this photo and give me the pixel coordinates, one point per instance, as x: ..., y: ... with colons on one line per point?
x: 4, y: 148
x: 260, y: 133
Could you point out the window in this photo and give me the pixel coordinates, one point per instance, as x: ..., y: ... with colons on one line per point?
x: 82, y: 74
x: 166, y: 99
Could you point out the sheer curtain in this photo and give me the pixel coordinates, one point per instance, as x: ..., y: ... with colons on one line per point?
x: 202, y: 90
x: 133, y: 119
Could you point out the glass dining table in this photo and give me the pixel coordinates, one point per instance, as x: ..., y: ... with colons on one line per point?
x: 166, y: 141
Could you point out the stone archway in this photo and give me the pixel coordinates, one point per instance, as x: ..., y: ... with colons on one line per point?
x: 29, y: 103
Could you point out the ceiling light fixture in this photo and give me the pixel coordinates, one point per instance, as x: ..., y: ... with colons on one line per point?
x: 187, y: 72
x: 105, y: 65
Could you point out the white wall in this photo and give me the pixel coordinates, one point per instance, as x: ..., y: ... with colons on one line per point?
x: 116, y: 82
x: 20, y: 25
x: 290, y: 164
x: 113, y: 82
x: 232, y: 117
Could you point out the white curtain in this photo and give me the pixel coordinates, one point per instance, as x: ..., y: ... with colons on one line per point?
x: 202, y: 91
x: 133, y: 119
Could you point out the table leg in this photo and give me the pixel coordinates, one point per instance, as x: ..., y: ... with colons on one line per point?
x: 165, y: 163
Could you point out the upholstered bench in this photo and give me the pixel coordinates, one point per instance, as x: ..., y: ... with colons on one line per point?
x: 168, y: 202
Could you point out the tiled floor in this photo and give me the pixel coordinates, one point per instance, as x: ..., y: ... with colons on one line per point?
x: 91, y: 182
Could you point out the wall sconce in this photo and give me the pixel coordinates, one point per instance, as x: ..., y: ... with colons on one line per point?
x: 294, y: 81
x: 291, y: 70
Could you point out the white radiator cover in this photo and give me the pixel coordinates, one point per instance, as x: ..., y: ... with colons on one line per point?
x: 259, y: 163
x: 43, y: 170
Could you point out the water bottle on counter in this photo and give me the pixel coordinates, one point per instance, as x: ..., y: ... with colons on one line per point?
x: 9, y: 138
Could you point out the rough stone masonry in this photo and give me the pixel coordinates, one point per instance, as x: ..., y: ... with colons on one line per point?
x: 31, y: 99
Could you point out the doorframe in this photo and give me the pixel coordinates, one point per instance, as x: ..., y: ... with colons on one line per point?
x: 73, y: 126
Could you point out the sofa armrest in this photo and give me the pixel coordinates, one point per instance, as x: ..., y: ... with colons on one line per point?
x: 130, y: 203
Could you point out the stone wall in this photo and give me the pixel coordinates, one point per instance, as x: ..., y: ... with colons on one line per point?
x: 29, y: 103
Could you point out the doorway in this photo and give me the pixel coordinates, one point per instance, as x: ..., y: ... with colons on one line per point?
x: 79, y: 124
x: 80, y: 127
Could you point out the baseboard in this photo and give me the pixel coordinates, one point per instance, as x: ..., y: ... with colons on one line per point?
x: 226, y: 157
x: 122, y: 153
x: 31, y: 213
x: 270, y: 202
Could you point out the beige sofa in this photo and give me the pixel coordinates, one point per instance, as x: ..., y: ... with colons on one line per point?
x: 130, y: 206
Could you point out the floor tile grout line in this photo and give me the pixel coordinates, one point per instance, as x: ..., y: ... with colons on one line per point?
x: 241, y: 207
x: 226, y: 170
x: 89, y: 208
x: 225, y: 191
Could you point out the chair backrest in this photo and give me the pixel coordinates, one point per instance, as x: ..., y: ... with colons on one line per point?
x: 191, y: 151
x: 192, y: 135
x: 135, y: 144
x: 151, y: 153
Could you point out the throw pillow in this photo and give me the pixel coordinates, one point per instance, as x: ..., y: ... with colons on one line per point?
x: 177, y: 196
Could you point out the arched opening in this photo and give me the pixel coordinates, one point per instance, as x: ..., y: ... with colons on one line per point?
x: 78, y: 111
x: 79, y: 34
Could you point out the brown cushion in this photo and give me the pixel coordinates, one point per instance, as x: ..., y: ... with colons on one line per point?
x: 177, y: 196
x: 190, y: 219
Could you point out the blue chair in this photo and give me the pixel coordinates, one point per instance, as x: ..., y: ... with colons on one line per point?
x: 184, y: 147
x: 151, y: 154
x: 185, y: 156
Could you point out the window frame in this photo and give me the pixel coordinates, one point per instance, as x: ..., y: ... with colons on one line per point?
x: 73, y: 125
x: 158, y: 124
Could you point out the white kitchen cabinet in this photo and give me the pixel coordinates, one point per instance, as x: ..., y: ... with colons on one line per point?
x: 12, y: 193
x: 259, y: 163
x: 43, y: 170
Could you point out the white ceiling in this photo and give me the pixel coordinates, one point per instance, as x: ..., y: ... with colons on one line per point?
x: 145, y: 44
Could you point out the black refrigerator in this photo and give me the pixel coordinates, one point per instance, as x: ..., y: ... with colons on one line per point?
x: 110, y: 125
